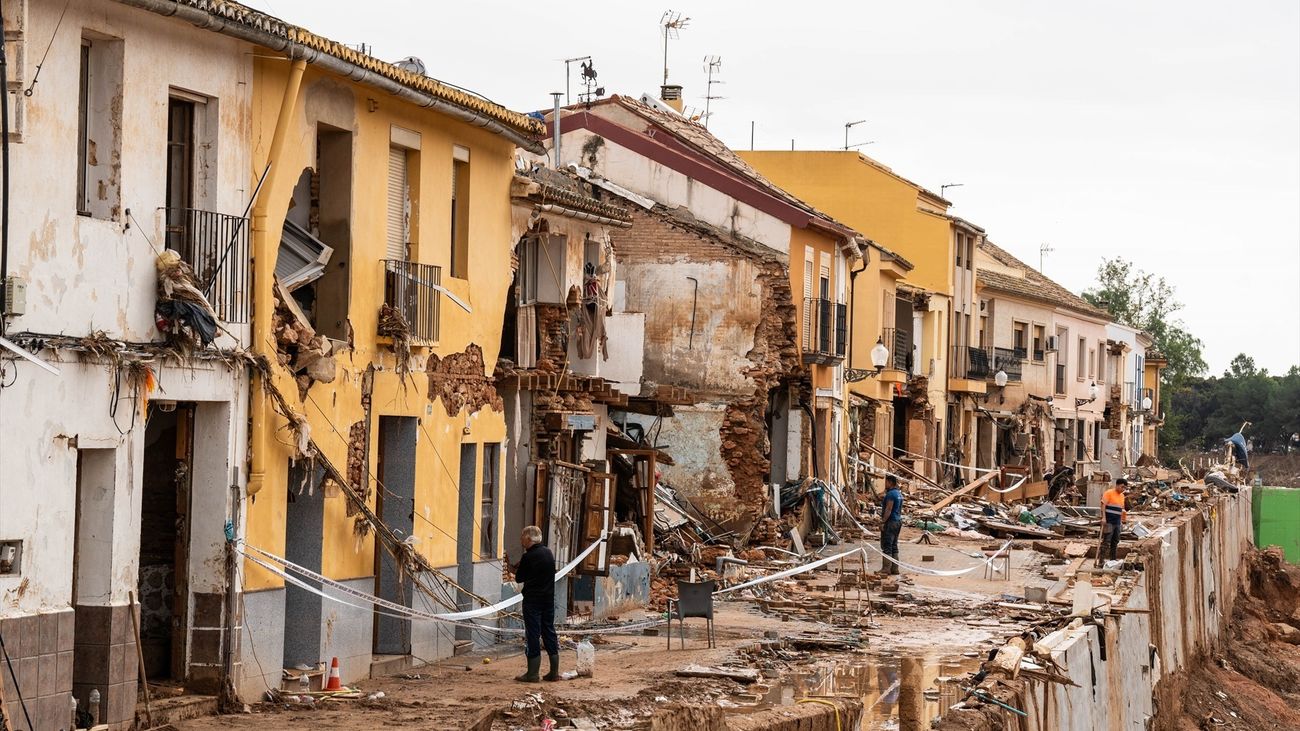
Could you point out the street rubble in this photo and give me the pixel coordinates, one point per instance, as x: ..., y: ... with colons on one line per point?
x: 942, y: 639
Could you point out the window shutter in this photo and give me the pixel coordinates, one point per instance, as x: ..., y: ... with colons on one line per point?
x: 398, y: 213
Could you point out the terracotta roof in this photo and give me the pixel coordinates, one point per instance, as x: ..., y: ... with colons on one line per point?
x: 550, y: 186
x: 694, y: 134
x: 1032, y: 285
x: 242, y: 15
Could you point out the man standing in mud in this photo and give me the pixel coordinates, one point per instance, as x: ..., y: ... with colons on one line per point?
x: 891, y: 524
x: 536, y: 574
x: 1112, y: 521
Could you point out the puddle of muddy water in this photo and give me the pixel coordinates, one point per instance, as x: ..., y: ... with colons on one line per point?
x: 899, y: 693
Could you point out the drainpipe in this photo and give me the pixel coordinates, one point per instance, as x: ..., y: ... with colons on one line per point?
x: 555, y: 129
x: 263, y: 272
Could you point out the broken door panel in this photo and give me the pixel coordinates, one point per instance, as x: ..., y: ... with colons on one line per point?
x: 597, y: 519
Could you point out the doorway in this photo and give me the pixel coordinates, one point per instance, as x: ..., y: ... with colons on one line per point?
x: 465, y: 531
x: 303, y: 521
x: 396, y: 508
x: 163, y: 583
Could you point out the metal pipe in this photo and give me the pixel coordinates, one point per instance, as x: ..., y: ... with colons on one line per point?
x: 297, y: 51
x: 263, y: 271
x: 690, y: 344
x: 4, y: 187
x: 555, y: 132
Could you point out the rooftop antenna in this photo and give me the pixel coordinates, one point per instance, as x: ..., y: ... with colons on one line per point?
x: 1044, y: 248
x: 850, y: 125
x: 672, y: 22
x: 567, y: 75
x: 946, y: 186
x: 712, y: 65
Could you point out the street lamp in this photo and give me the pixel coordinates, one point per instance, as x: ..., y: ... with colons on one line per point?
x: 1146, y: 403
x: 879, y: 357
x: 1092, y: 396
x: 1000, y: 379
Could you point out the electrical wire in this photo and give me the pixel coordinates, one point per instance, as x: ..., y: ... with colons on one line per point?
x: 36, y: 76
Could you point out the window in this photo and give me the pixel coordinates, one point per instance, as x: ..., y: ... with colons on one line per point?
x: 15, y: 58
x: 99, y: 133
x: 961, y: 251
x: 1081, y: 363
x: 1040, y: 337
x: 327, y: 299
x: 460, y: 190
x: 1019, y: 337
x: 1101, y: 361
x: 970, y: 253
x: 1092, y: 364
x: 488, y: 502
x: 399, y: 206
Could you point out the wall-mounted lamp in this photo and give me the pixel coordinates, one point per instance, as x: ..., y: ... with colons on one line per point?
x: 1092, y: 396
x: 1146, y: 404
x: 879, y: 357
x: 1000, y: 382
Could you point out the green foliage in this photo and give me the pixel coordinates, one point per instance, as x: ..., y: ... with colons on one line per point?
x: 1147, y: 302
x: 1205, y: 411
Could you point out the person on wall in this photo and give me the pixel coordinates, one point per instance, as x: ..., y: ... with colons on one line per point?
x: 536, y: 575
x: 1112, y: 521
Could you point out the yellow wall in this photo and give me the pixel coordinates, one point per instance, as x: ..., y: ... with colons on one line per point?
x: 332, y: 408
x: 865, y: 196
x: 822, y: 376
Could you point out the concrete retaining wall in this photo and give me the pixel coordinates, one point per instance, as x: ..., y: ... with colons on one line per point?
x: 1177, y: 612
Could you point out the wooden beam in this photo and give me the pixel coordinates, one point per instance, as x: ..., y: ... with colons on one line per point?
x: 908, y: 471
x: 964, y: 490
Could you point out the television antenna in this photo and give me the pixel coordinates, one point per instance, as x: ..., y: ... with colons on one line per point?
x: 850, y: 125
x: 712, y: 65
x: 672, y: 22
x: 1044, y: 248
x: 568, y: 75
x: 946, y: 186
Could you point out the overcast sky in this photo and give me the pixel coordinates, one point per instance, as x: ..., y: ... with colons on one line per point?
x: 1167, y: 133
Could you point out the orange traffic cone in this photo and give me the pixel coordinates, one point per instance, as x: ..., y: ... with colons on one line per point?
x: 334, y: 682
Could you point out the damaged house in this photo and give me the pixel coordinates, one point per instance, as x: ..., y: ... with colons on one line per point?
x: 902, y: 408
x: 1052, y: 416
x: 382, y: 253
x: 569, y: 359
x: 123, y: 376
x: 743, y: 289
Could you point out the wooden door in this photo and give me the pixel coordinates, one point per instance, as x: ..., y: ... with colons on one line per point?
x: 597, y: 520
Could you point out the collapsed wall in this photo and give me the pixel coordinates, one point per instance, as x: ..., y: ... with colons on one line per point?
x: 1122, y: 666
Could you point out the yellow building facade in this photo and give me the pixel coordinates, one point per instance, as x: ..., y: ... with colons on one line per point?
x: 382, y: 258
x: 909, y: 313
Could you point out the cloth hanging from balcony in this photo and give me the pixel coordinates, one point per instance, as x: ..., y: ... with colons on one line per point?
x: 591, y: 317
x: 182, y: 312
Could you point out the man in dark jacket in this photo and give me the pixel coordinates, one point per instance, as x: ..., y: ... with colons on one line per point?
x: 536, y: 574
x: 891, y: 524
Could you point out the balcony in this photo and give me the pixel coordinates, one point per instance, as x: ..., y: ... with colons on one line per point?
x: 899, y: 343
x: 408, y: 290
x: 215, y: 245
x: 825, y: 331
x: 1060, y: 379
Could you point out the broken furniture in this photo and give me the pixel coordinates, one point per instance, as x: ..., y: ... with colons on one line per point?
x: 694, y: 599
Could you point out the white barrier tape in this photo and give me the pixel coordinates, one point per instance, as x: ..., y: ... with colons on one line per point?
x: 787, y: 572
x: 410, y: 614
x: 1016, y: 486
x: 941, y: 572
x: 469, y: 614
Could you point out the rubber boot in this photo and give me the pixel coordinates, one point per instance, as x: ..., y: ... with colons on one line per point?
x: 534, y: 665
x: 554, y: 674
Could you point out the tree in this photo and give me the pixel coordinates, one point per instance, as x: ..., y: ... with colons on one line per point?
x: 1147, y: 302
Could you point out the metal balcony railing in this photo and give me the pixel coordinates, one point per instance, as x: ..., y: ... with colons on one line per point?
x: 984, y: 363
x: 899, y: 343
x: 215, y: 245
x: 1060, y: 379
x: 1009, y: 361
x: 407, y: 289
x: 826, y: 331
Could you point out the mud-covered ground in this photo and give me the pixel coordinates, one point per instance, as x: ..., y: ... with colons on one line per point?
x: 1253, y: 683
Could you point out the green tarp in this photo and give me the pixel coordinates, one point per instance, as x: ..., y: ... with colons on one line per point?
x: 1276, y: 514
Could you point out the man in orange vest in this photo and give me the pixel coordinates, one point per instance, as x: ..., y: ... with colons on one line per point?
x: 1112, y: 521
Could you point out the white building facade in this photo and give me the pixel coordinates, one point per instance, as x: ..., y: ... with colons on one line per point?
x: 122, y: 457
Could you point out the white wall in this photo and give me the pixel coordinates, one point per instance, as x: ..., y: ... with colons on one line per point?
x: 85, y: 274
x: 670, y: 188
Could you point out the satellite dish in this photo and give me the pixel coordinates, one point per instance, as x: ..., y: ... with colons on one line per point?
x: 412, y: 64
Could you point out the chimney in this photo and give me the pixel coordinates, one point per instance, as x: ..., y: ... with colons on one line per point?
x: 671, y: 94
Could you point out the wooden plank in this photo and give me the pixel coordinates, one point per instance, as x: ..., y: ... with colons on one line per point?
x: 902, y: 468
x: 964, y: 491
